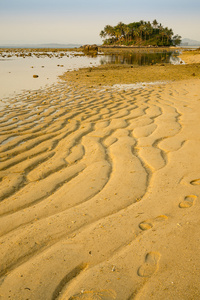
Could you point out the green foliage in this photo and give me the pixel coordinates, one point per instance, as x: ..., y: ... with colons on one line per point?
x: 176, y: 40
x: 139, y: 33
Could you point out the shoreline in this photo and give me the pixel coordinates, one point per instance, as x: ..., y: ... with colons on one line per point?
x: 127, y: 74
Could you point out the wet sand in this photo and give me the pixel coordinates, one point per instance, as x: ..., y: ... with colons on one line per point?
x: 100, y: 190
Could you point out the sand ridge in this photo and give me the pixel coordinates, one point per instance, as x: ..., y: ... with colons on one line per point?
x: 100, y: 193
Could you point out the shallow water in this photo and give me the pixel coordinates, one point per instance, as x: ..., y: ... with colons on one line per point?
x: 16, y: 73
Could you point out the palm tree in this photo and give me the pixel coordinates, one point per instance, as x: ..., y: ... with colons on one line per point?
x: 149, y: 29
x: 160, y: 27
x: 176, y: 40
x: 155, y: 23
x: 141, y: 30
x: 119, y: 29
x: 118, y: 34
x: 169, y: 34
x: 137, y: 32
x: 109, y: 30
x: 162, y: 32
x: 145, y: 30
x: 132, y: 28
x: 127, y: 32
x: 102, y: 34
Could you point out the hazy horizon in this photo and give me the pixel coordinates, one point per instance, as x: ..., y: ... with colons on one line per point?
x: 80, y: 22
x: 68, y: 45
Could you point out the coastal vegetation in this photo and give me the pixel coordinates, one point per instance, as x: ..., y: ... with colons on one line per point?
x: 139, y: 34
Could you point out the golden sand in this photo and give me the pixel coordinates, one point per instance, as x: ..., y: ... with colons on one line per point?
x: 191, y: 57
x: 100, y: 192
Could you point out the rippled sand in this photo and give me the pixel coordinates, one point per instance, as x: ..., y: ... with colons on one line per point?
x: 191, y: 57
x: 100, y: 193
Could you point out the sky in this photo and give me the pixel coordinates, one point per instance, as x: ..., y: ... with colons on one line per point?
x: 80, y: 21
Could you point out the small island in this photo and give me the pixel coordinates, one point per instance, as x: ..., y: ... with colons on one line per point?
x: 139, y: 34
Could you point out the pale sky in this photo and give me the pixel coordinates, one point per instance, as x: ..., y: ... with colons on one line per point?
x: 80, y: 21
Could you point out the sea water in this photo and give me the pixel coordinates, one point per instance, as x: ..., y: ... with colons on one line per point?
x: 16, y: 73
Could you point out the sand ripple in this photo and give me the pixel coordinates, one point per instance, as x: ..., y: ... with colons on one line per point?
x: 93, y: 183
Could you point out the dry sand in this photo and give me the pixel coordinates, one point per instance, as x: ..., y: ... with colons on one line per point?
x: 100, y: 193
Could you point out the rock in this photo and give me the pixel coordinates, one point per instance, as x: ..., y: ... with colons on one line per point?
x: 35, y: 76
x: 90, y: 48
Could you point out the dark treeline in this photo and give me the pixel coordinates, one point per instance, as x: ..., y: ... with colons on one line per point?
x: 139, y: 33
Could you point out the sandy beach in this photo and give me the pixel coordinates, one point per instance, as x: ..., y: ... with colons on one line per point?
x: 100, y: 187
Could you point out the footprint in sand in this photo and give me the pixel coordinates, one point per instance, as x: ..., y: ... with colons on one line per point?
x: 95, y: 295
x: 150, y: 266
x: 148, y: 224
x: 188, y: 201
x: 195, y: 182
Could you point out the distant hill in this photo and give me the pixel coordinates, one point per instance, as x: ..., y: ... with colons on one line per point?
x: 189, y: 42
x: 50, y: 45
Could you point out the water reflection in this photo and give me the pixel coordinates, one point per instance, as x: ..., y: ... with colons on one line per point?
x: 141, y: 58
